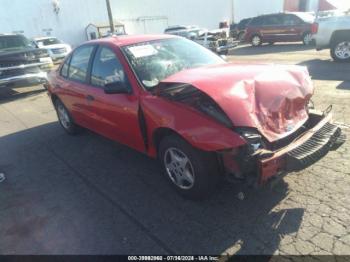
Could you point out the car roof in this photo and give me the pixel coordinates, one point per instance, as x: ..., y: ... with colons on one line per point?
x: 11, y: 34
x: 125, y: 40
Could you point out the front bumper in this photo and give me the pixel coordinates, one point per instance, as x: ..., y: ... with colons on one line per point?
x: 58, y: 56
x: 35, y: 71
x: 303, y: 152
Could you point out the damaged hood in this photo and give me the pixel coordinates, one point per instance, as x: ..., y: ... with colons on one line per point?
x: 270, y: 98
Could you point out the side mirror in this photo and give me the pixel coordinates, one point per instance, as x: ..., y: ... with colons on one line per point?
x: 116, y: 88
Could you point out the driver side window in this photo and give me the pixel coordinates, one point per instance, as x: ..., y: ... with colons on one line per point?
x: 107, y: 69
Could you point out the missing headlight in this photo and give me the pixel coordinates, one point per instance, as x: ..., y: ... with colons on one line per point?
x: 253, y: 138
x: 195, y: 98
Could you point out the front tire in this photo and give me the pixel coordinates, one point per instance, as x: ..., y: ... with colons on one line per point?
x: 65, y: 119
x: 340, y: 50
x: 191, y: 172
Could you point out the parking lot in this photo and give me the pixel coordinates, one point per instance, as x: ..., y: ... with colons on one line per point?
x: 88, y: 195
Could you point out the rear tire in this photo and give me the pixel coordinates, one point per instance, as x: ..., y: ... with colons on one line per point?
x: 340, y: 50
x: 307, y: 38
x: 65, y: 119
x: 256, y: 41
x: 191, y: 172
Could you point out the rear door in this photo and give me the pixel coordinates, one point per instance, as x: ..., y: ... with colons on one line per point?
x: 294, y: 27
x: 115, y: 116
x: 72, y: 83
x: 272, y: 28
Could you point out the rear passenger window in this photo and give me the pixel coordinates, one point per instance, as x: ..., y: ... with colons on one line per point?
x: 257, y: 21
x: 291, y: 20
x: 273, y: 20
x: 79, y: 63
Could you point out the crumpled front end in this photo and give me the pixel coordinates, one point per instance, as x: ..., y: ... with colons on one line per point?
x: 268, y: 106
x: 272, y: 99
x: 261, y: 165
x: 312, y: 145
x: 277, y: 101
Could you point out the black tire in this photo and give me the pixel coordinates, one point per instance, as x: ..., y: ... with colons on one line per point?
x: 256, y: 40
x: 70, y: 127
x: 204, y: 164
x: 307, y: 38
x: 335, y: 44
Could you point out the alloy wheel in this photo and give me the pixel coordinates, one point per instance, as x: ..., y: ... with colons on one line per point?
x: 63, y: 116
x: 307, y: 39
x: 256, y: 40
x: 342, y: 50
x: 179, y: 168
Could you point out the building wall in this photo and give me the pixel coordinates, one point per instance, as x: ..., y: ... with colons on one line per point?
x: 312, y: 5
x: 35, y: 17
x: 161, y: 13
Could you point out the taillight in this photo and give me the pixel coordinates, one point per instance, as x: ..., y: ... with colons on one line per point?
x: 314, y: 28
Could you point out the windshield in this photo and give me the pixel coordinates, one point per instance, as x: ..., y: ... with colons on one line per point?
x: 48, y: 41
x: 156, y: 60
x: 14, y: 42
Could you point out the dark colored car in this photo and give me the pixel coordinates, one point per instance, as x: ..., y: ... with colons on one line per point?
x: 283, y: 27
x: 21, y: 59
x: 238, y: 31
x: 203, y: 118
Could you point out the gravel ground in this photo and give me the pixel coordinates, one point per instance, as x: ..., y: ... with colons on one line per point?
x: 87, y: 195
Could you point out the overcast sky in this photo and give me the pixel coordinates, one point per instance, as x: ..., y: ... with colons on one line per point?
x: 342, y: 4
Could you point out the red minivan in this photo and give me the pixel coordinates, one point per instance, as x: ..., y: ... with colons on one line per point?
x: 282, y: 27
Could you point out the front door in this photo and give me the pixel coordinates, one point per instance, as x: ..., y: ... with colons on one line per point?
x: 115, y: 116
x: 272, y: 29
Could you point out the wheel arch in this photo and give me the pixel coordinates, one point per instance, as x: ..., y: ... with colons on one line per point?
x: 162, y: 132
x: 54, y: 98
x: 339, y: 34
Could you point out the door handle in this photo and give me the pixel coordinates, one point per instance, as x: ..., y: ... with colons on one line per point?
x: 90, y: 98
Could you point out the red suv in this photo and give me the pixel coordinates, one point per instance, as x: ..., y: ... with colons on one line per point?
x: 203, y: 118
x: 283, y: 27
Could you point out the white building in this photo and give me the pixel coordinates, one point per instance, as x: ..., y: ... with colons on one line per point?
x: 67, y: 19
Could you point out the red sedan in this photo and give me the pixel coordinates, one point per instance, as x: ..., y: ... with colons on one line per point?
x: 203, y: 118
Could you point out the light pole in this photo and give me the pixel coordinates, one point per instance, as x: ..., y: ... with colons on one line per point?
x: 110, y: 16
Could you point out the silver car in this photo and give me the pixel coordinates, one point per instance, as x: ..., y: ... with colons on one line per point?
x: 332, y: 31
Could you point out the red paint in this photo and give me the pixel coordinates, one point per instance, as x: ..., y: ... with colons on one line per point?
x: 269, y: 98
